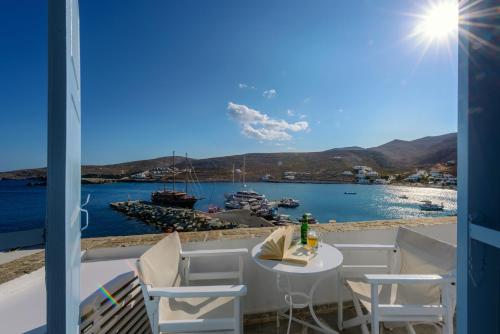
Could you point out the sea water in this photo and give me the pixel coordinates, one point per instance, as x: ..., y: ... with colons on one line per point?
x: 23, y: 207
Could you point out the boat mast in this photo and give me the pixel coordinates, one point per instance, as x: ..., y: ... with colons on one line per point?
x: 233, y: 172
x: 186, y: 176
x: 244, y: 170
x: 173, y: 169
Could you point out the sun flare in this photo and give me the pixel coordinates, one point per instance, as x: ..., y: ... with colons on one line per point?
x: 439, y: 22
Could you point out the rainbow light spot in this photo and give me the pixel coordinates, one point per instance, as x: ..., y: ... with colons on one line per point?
x: 108, y: 295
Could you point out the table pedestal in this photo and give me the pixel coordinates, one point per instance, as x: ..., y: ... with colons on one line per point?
x: 307, y: 298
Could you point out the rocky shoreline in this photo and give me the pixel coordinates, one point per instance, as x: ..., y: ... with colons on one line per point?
x: 170, y: 219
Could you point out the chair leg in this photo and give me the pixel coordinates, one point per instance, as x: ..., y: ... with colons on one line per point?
x: 238, y: 324
x: 448, y: 326
x: 359, y: 314
x: 375, y: 326
x: 410, y: 329
x: 449, y: 310
x: 340, y: 303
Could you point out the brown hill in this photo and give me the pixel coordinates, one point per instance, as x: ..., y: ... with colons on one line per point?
x: 419, y: 152
x: 395, y: 156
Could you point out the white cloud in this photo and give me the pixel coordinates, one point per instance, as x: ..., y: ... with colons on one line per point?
x: 270, y: 93
x: 245, y: 86
x: 255, y: 124
x: 302, y: 116
x: 290, y: 112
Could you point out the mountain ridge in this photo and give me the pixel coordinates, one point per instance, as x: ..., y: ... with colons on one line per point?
x: 396, y: 156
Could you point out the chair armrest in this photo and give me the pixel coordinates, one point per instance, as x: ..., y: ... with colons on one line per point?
x: 214, y: 252
x: 362, y: 247
x: 199, y: 291
x: 408, y: 279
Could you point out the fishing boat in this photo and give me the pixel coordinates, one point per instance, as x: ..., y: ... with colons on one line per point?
x: 173, y: 197
x: 289, y: 203
x: 349, y: 193
x: 429, y: 206
x: 403, y: 197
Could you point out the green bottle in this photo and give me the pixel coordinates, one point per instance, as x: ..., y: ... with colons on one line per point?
x: 303, y: 229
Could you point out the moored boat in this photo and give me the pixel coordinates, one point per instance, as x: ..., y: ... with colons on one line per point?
x: 429, y: 206
x: 172, y: 197
x: 310, y: 218
x: 288, y: 203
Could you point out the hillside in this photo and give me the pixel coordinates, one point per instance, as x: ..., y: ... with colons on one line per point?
x: 392, y: 157
x: 423, y: 151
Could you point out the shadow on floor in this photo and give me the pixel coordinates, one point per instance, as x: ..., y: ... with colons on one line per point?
x: 331, y: 320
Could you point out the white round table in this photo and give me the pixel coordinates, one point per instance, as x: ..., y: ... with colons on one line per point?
x: 326, y: 260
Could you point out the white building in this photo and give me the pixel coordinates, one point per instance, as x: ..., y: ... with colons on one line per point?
x: 413, y: 178
x: 436, y: 174
x: 364, y: 168
x: 143, y: 175
x: 266, y: 177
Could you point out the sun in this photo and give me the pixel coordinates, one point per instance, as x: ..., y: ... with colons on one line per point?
x: 439, y: 22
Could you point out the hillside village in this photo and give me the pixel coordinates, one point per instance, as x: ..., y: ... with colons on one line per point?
x: 367, y: 175
x: 360, y: 174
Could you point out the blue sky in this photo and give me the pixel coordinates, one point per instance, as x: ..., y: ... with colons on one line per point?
x: 223, y: 77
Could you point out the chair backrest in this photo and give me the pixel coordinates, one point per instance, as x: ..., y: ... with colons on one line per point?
x: 159, y: 266
x: 420, y: 254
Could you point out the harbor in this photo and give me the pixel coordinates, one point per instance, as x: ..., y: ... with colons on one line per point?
x: 326, y: 202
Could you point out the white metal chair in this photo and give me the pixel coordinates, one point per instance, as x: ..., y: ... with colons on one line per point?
x: 418, y: 285
x: 173, y: 308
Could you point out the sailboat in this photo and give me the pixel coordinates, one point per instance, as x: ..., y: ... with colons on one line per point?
x: 173, y: 197
x: 244, y: 198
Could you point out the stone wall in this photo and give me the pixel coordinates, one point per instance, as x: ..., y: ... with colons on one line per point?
x: 25, y: 265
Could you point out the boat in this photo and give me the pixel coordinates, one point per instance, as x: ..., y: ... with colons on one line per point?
x: 214, y: 209
x: 429, y: 206
x: 310, y: 218
x: 232, y: 205
x: 172, y: 197
x: 245, y: 199
x: 36, y: 184
x: 288, y: 203
x: 245, y: 195
x: 403, y: 197
x: 281, y: 220
x: 350, y: 193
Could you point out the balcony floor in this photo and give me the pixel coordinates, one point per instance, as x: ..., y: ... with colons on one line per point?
x: 330, y: 319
